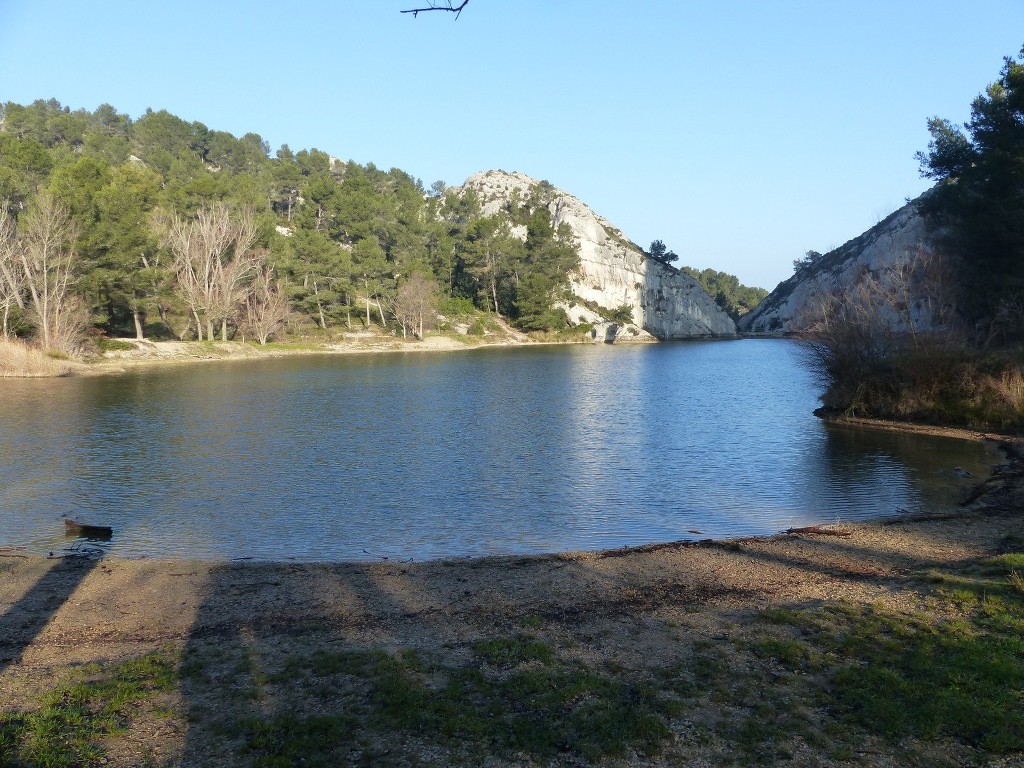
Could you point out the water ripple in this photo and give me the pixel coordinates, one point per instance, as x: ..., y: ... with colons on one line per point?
x: 473, y: 453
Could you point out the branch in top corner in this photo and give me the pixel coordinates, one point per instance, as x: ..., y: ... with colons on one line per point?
x: 456, y: 9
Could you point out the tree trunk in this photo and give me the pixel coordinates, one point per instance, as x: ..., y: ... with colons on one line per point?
x: 199, y: 326
x: 209, y: 329
x: 138, y: 325
x: 319, y: 306
x: 494, y: 295
x: 224, y: 329
x: 163, y: 316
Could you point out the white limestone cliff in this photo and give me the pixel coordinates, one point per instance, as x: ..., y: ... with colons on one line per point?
x: 614, y: 271
x: 892, y: 261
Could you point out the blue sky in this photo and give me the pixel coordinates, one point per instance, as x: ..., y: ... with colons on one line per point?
x: 741, y: 134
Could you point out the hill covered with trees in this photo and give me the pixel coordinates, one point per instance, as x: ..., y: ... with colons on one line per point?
x: 160, y: 227
x: 729, y: 293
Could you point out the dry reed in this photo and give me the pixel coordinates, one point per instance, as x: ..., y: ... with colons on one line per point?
x: 18, y: 359
x: 1010, y: 388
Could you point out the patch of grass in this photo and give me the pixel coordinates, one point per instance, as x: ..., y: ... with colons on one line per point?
x: 287, y: 740
x: 577, y: 334
x: 513, y: 650
x: 481, y: 326
x: 790, y: 653
x: 68, y: 726
x: 903, y: 675
x: 1001, y: 563
x: 114, y: 345
x: 524, y: 700
x: 780, y: 616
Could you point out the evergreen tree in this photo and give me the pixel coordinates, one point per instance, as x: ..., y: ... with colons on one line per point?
x: 977, y: 208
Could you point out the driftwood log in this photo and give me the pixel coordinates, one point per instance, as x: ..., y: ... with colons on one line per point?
x: 72, y: 526
x: 817, y: 530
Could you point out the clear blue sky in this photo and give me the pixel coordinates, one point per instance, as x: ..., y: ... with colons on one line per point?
x: 742, y: 134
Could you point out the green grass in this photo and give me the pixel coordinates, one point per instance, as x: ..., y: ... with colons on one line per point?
x: 516, y: 696
x: 916, y: 676
x: 67, y: 728
x: 513, y: 650
x: 286, y: 740
x: 114, y: 345
x: 957, y: 680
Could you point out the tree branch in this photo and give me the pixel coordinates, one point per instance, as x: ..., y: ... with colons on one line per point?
x: 456, y: 9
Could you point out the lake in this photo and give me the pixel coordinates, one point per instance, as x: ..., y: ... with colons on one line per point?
x: 491, y: 451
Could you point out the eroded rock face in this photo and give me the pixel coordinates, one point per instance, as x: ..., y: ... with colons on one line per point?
x: 891, y: 261
x: 613, y: 270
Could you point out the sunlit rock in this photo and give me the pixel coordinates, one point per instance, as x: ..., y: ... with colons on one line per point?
x: 614, y: 272
x: 890, y: 270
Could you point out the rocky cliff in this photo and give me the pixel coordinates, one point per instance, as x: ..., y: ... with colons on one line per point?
x: 613, y: 271
x: 890, y: 269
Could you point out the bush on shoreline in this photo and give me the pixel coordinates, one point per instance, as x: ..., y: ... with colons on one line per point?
x: 932, y: 383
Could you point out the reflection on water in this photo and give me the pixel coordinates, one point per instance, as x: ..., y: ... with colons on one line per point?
x: 495, y: 451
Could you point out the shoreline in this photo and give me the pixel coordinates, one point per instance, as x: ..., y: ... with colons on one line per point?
x: 1004, y: 441
x: 1007, y: 479
x: 252, y: 642
x: 156, y: 353
x: 727, y: 650
x: 151, y: 354
x: 644, y: 610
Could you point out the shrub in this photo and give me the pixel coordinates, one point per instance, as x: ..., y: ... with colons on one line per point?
x: 114, y: 345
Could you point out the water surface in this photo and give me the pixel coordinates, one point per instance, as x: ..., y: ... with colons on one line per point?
x: 468, y: 453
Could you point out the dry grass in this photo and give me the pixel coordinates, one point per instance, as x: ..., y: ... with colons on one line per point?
x: 18, y: 359
x: 1010, y: 388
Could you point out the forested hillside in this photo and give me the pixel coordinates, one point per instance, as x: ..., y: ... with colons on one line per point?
x: 732, y: 296
x: 160, y: 227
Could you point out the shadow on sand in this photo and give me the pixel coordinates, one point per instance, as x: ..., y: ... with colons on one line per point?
x: 25, y: 620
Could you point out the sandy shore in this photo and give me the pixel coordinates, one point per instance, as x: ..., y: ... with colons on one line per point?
x: 153, y: 353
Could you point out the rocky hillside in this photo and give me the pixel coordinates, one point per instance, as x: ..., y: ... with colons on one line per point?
x: 889, y: 269
x: 614, y: 272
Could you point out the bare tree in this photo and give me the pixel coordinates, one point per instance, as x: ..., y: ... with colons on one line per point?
x: 860, y: 336
x: 445, y: 6
x: 416, y: 304
x: 266, y: 306
x: 916, y: 293
x: 213, y: 258
x: 44, y: 252
x: 12, y: 277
